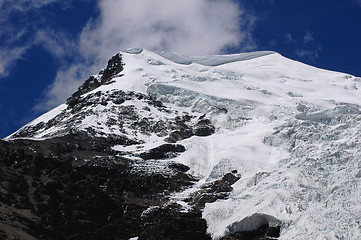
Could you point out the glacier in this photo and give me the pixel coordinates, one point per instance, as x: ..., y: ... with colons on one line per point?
x: 290, y: 131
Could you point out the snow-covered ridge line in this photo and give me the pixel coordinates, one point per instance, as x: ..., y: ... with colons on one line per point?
x: 208, y: 60
x: 213, y: 60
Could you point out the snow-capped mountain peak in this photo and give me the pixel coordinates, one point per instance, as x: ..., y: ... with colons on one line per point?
x: 288, y: 132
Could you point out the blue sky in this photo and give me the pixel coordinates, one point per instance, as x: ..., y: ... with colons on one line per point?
x: 49, y: 47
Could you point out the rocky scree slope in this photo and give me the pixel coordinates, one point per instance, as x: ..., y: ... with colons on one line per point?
x: 164, y: 146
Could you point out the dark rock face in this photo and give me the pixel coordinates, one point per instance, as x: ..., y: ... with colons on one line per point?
x: 168, y: 224
x: 184, y: 130
x: 212, y: 191
x: 178, y: 135
x: 51, y: 194
x: 204, y: 128
x: 262, y: 233
x: 50, y: 198
x: 89, y: 85
x: 114, y: 67
x: 163, y: 152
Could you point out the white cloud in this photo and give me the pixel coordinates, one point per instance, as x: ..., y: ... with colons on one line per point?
x: 188, y: 26
x: 17, y: 34
x: 8, y: 58
x: 57, y: 43
x: 66, y: 81
x: 191, y: 27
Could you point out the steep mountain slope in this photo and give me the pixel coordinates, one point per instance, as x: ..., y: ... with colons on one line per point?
x: 243, y: 146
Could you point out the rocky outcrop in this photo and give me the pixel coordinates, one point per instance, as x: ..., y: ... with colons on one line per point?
x: 51, y: 197
x: 202, y: 128
x: 127, y: 115
x: 212, y: 191
x: 163, y: 152
x: 114, y: 67
x: 264, y: 232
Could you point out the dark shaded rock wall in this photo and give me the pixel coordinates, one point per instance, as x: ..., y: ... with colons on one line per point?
x: 48, y: 197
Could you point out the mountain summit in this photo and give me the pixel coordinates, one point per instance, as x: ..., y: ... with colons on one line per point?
x: 163, y: 146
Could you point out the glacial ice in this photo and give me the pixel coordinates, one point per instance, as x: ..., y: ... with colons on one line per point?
x: 212, y: 60
x: 326, y: 115
x: 134, y: 50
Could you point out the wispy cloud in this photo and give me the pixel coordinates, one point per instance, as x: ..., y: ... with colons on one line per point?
x: 289, y: 37
x: 67, y: 80
x: 18, y: 33
x: 58, y: 43
x: 193, y: 27
x: 310, y: 54
x: 27, y: 5
x: 305, y: 46
x: 308, y: 37
x: 8, y: 58
x: 308, y: 48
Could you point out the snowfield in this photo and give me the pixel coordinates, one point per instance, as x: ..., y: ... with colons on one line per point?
x: 290, y: 131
